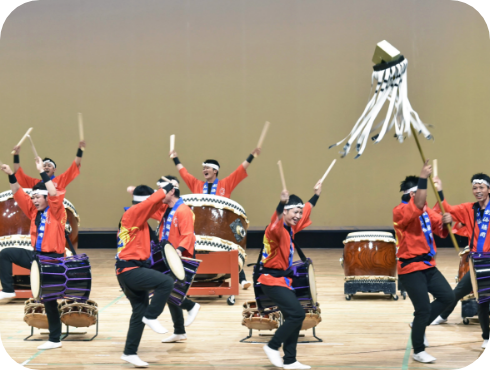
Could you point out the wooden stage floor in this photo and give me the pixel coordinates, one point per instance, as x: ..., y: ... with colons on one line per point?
x: 368, y: 332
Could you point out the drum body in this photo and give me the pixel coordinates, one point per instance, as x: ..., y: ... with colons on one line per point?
x: 35, y: 314
x: 312, y: 318
x: 464, y: 263
x: 166, y: 260
x: 370, y: 254
x: 78, y: 314
x: 220, y: 226
x: 181, y: 287
x: 57, y: 278
x: 254, y: 319
x: 15, y: 225
x: 303, y: 282
x: 480, y: 276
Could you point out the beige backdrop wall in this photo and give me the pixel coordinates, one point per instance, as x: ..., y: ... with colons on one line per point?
x: 212, y: 72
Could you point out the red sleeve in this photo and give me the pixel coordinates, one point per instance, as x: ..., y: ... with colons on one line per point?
x: 56, y: 205
x: 237, y: 176
x: 406, y: 215
x: 68, y: 176
x: 194, y: 184
x: 437, y: 226
x: 305, y: 220
x: 159, y: 212
x: 139, y: 214
x: 25, y: 203
x: 24, y: 180
x: 275, y: 227
x: 457, y: 212
x: 186, y: 230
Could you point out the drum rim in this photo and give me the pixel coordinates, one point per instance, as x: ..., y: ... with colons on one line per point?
x: 370, y: 236
x: 312, y: 282
x: 172, y: 260
x: 238, y: 209
x: 35, y: 285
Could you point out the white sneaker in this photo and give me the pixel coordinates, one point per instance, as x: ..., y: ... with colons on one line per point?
x: 50, y: 345
x: 175, y: 338
x: 135, y: 360
x: 245, y: 284
x: 274, y: 356
x: 297, y: 365
x: 155, y: 326
x: 192, y: 314
x: 484, y: 345
x: 4, y: 295
x: 426, y: 341
x: 438, y: 321
x: 423, y: 357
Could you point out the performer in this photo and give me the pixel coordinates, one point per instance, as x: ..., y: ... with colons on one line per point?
x: 177, y: 228
x: 414, y: 225
x: 291, y: 217
x: 48, y: 218
x: 61, y: 181
x: 212, y: 185
x: 474, y: 219
x: 133, y: 272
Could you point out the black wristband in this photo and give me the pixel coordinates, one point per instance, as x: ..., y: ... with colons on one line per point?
x: 176, y: 160
x: 12, y: 178
x: 441, y: 195
x: 16, y: 158
x: 250, y: 158
x: 168, y: 187
x: 280, y: 208
x: 181, y: 249
x: 422, y: 185
x: 45, y: 177
x: 79, y: 152
x: 314, y: 199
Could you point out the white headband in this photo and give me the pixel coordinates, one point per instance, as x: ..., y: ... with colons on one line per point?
x: 414, y: 189
x: 161, y: 184
x: 291, y: 206
x: 215, y: 166
x: 140, y: 198
x: 39, y: 192
x: 476, y: 181
x: 48, y: 161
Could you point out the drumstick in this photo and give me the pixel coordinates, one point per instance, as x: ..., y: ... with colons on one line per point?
x: 172, y: 143
x: 165, y: 179
x: 434, y: 168
x: 189, y: 259
x: 262, y: 135
x: 80, y: 128
x: 281, y: 172
x: 326, y: 173
x: 33, y: 147
x: 23, y: 138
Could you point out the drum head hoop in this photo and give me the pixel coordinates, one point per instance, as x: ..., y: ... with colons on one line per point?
x: 474, y: 282
x: 174, y: 262
x: 35, y: 280
x: 311, y: 276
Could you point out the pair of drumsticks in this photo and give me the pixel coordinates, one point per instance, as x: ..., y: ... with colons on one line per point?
x: 28, y: 135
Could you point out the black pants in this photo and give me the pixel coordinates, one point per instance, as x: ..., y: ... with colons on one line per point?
x: 241, y: 276
x: 137, y: 284
x: 293, y: 313
x: 24, y: 258
x: 418, y: 285
x: 464, y: 288
x: 178, y: 316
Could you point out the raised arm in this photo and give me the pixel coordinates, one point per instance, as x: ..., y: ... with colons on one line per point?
x: 275, y: 226
x: 16, y: 158
x: 175, y: 158
x: 81, y: 148
x: 255, y: 153
x: 421, y: 194
x: 47, y: 181
x: 14, y: 185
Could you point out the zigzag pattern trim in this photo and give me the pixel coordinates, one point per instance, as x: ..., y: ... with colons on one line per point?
x: 16, y: 241
x: 215, y: 201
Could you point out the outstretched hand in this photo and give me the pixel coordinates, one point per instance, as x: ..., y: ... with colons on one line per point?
x: 256, y: 152
x: 16, y: 149
x: 426, y: 170
x: 130, y: 189
x: 82, y: 145
x: 438, y: 183
x: 284, y: 196
x: 39, y: 164
x: 5, y: 168
x: 172, y: 154
x: 318, y: 188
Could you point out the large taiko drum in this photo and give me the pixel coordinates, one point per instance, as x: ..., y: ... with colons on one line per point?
x: 369, y: 263
x: 220, y: 226
x: 15, y: 228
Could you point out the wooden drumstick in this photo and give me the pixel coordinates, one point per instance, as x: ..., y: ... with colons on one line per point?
x: 282, y: 175
x: 33, y: 147
x: 80, y: 128
x: 262, y: 135
x: 326, y: 173
x: 434, y: 168
x: 172, y: 143
x: 23, y: 138
x: 165, y: 179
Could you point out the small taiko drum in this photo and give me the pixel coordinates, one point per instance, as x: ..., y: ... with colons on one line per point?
x: 312, y: 317
x: 35, y: 314
x: 255, y: 320
x: 369, y: 263
x: 220, y: 226
x: 78, y: 314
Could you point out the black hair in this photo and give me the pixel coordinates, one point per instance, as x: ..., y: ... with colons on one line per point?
x: 213, y: 161
x: 480, y: 176
x: 177, y: 191
x: 142, y: 190
x: 293, y: 200
x: 49, y: 159
x: 40, y: 186
x: 408, y: 183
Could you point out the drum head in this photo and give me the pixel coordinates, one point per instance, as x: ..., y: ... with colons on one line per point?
x: 174, y: 262
x: 35, y: 280
x: 311, y: 276
x: 474, y: 282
